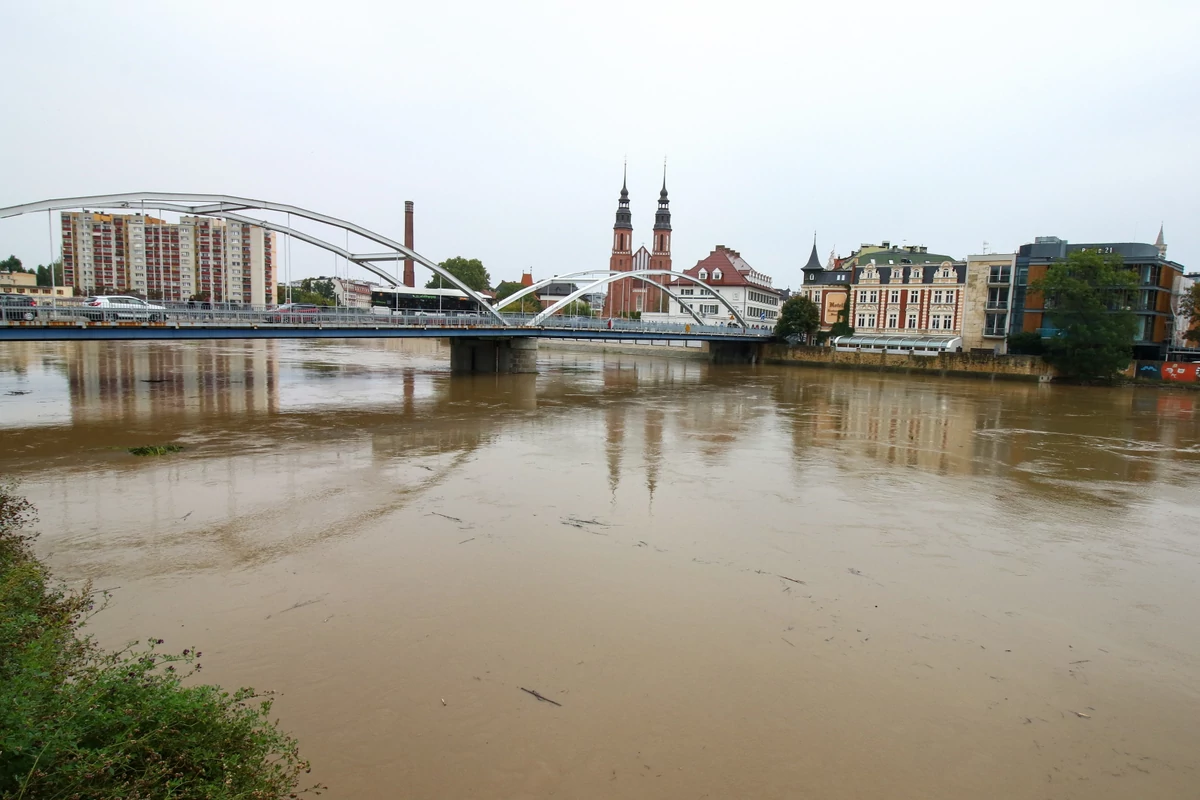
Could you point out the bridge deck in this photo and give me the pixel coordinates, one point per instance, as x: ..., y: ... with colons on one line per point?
x: 17, y: 332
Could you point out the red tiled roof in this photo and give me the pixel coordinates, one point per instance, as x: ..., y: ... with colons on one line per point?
x: 730, y: 264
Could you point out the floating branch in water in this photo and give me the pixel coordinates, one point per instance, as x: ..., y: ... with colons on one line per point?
x: 156, y: 449
x: 540, y: 697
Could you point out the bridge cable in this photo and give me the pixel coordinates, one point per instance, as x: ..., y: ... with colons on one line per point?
x: 288, y: 253
x: 53, y: 279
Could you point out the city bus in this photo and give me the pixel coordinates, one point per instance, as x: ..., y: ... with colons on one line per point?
x: 410, y: 300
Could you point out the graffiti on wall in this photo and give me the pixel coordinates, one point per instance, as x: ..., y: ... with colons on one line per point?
x: 1177, y: 371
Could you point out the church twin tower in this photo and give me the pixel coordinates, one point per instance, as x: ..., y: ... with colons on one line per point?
x: 628, y: 297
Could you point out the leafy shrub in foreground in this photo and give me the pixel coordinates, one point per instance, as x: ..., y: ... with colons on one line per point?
x: 77, y: 721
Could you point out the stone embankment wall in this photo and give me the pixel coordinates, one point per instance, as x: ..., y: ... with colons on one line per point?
x: 630, y: 347
x: 1026, y: 368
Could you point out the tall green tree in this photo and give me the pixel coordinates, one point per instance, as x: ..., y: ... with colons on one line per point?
x: 11, y: 264
x: 44, y: 276
x: 468, y: 270
x: 526, y: 305
x: 798, y: 316
x: 319, y: 286
x: 1088, y: 299
x: 301, y: 295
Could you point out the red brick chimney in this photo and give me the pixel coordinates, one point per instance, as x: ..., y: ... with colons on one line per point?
x: 410, y: 278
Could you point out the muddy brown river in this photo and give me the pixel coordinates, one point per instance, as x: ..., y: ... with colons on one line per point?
x: 738, y: 582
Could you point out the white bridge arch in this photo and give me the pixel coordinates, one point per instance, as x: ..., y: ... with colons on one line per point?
x: 572, y: 276
x: 612, y: 277
x: 224, y: 206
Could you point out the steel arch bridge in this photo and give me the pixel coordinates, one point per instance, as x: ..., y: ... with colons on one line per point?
x: 608, y: 276
x: 233, y: 208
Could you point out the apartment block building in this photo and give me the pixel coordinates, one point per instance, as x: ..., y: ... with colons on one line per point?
x: 218, y: 260
x: 924, y: 299
x: 1152, y: 301
x: 987, y: 301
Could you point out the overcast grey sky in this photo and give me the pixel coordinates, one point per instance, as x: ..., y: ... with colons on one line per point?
x: 942, y: 123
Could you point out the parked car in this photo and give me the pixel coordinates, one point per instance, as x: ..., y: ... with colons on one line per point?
x: 294, y: 313
x: 116, y: 307
x: 17, y: 307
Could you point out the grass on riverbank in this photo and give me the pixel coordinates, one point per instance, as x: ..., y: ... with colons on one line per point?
x: 77, y: 721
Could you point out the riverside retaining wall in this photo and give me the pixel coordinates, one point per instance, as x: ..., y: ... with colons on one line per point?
x: 1026, y: 368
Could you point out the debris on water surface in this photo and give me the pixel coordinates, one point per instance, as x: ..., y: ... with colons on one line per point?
x: 155, y: 450
x: 541, y: 697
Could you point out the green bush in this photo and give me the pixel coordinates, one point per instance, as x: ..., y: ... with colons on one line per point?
x: 77, y: 721
x: 1027, y: 343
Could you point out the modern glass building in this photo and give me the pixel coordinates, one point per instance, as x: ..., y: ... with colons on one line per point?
x: 1156, y: 278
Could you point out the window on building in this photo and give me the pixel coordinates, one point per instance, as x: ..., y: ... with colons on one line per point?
x: 893, y: 320
x: 816, y: 298
x: 873, y: 296
x: 716, y: 275
x: 862, y: 297
x: 935, y: 322
x: 914, y: 297
x: 937, y: 297
x: 862, y: 320
x: 895, y: 296
x: 870, y: 320
x: 703, y: 274
x: 950, y: 296
x: 912, y: 320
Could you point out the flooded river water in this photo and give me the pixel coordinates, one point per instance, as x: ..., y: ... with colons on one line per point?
x: 737, y: 581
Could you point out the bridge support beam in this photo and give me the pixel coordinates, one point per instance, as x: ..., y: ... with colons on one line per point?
x: 493, y: 355
x: 734, y: 352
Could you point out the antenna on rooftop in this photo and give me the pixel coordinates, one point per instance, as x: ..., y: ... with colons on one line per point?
x: 985, y: 247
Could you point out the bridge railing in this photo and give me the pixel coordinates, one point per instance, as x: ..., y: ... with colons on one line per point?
x: 185, y: 314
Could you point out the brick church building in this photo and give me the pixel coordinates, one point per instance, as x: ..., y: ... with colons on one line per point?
x: 631, y: 296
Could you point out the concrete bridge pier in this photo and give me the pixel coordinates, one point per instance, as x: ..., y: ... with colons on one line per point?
x: 493, y: 355
x: 734, y: 352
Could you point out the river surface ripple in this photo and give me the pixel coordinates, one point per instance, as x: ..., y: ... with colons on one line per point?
x: 737, y: 581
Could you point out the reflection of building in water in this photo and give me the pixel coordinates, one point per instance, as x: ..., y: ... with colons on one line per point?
x: 996, y: 429
x: 653, y: 432
x: 430, y: 437
x: 642, y: 398
x: 897, y: 421
x: 614, y: 442
x: 144, y: 381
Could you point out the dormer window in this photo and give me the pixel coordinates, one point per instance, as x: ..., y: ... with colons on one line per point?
x: 703, y: 274
x: 716, y: 274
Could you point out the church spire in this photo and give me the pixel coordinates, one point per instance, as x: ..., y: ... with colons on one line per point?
x: 662, y: 217
x: 814, y: 261
x: 624, y: 215
x: 1161, y: 243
